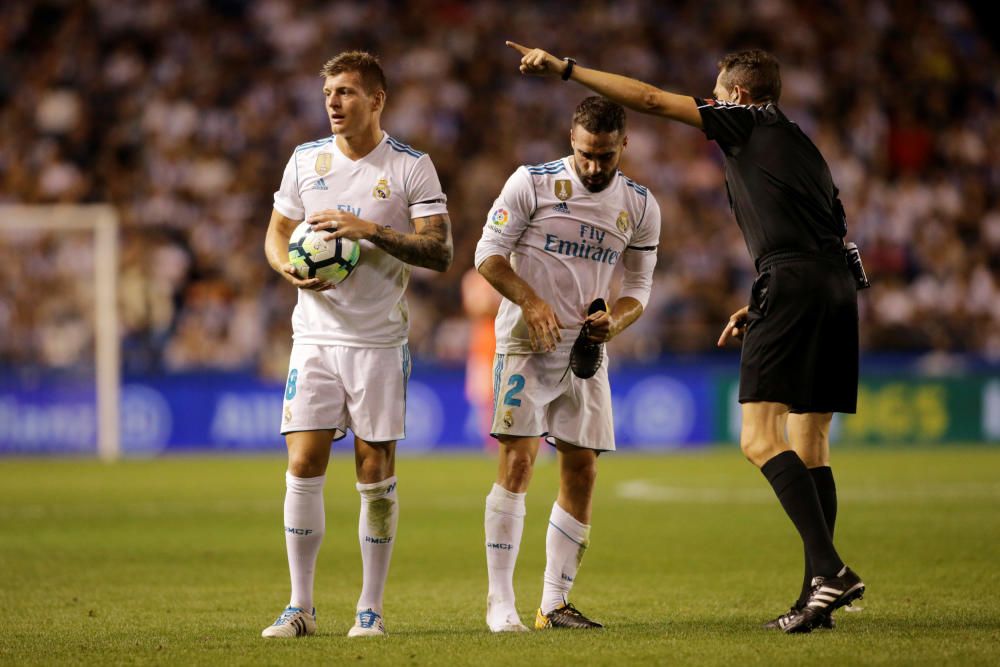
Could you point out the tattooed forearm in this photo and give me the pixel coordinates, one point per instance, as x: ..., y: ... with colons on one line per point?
x: 429, y: 246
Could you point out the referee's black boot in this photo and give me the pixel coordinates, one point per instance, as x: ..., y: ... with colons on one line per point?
x: 828, y: 594
x: 780, y: 622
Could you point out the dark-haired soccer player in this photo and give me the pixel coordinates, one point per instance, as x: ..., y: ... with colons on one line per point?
x: 350, y: 362
x: 550, y: 246
x: 800, y: 350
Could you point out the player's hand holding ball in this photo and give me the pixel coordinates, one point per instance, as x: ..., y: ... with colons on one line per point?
x: 341, y: 225
x: 290, y: 273
x: 318, y: 260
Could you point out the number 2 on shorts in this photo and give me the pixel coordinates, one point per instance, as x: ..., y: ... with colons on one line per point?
x: 516, y: 384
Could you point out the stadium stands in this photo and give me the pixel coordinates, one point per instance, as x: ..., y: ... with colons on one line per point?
x: 183, y: 114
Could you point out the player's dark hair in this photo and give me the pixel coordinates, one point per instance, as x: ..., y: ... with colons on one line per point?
x: 598, y: 115
x: 755, y: 70
x: 365, y: 64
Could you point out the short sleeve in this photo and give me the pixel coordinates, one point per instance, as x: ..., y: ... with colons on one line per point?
x: 423, y: 190
x: 727, y: 124
x: 287, y: 200
x: 508, y: 217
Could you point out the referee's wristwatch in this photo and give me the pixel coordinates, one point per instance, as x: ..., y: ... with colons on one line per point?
x: 569, y: 68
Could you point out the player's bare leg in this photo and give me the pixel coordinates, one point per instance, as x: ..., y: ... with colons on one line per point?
x: 516, y: 462
x: 577, y: 474
x: 375, y: 465
x: 308, y: 456
x: 567, y: 538
x: 504, y: 524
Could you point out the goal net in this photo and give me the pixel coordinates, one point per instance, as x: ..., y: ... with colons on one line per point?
x: 60, y: 369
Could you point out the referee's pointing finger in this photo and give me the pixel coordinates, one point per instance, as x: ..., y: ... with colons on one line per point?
x: 523, y: 50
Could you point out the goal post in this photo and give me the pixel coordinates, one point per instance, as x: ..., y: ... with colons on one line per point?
x: 102, y: 221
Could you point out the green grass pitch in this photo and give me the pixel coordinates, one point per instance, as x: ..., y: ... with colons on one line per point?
x: 181, y: 561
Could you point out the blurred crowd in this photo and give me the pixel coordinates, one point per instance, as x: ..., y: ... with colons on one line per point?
x: 182, y: 113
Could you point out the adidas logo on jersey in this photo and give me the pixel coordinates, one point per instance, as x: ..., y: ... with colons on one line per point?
x: 561, y: 207
x: 320, y: 185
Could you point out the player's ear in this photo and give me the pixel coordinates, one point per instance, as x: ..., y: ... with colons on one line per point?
x: 378, y: 100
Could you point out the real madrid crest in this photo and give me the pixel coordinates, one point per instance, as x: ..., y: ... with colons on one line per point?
x: 381, y: 189
x: 563, y: 189
x: 323, y: 162
x: 622, y: 222
x: 508, y: 420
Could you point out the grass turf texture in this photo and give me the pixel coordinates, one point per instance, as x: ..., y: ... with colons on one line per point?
x: 181, y: 561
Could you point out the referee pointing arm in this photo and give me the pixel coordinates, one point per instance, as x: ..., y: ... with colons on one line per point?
x: 799, y: 361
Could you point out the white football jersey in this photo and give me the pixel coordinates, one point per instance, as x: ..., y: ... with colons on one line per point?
x: 390, y: 186
x: 565, y: 242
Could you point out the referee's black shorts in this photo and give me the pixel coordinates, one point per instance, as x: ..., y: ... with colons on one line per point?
x: 801, y: 342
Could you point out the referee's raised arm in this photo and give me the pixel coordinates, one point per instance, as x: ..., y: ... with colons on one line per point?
x: 631, y: 93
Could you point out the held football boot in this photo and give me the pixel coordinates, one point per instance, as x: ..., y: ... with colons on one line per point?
x: 828, y: 595
x: 585, y: 357
x: 367, y: 623
x: 293, y: 622
x: 566, y: 616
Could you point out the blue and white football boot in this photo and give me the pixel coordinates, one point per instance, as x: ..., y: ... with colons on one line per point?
x: 293, y: 622
x: 368, y: 623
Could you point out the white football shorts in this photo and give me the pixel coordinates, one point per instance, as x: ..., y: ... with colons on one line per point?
x: 338, y: 387
x: 535, y: 395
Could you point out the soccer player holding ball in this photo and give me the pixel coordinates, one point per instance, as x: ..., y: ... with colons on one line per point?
x: 550, y: 246
x: 800, y: 330
x: 350, y: 363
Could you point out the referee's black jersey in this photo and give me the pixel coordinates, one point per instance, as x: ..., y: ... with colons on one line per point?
x: 779, y: 186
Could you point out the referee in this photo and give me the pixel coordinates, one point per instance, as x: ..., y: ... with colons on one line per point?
x: 800, y: 330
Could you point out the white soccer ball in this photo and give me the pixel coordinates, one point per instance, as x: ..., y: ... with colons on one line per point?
x: 312, y: 257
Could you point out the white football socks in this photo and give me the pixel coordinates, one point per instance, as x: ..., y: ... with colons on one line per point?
x: 376, y: 533
x: 304, y: 526
x: 565, y: 543
x: 504, y: 525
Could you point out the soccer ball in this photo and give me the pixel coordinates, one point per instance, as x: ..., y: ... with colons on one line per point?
x: 312, y: 257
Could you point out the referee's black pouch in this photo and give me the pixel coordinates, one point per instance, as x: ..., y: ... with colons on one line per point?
x: 586, y: 356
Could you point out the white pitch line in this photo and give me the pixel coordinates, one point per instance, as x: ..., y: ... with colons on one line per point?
x: 145, y: 509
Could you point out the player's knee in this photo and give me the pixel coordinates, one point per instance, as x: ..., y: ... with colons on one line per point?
x: 373, y: 469
x: 304, y: 465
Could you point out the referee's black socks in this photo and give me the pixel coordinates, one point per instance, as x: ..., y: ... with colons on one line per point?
x: 827, y: 490
x: 793, y: 484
